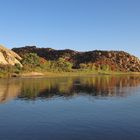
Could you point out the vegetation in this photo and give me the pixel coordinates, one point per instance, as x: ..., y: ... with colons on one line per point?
x: 61, y: 65
x: 100, y: 60
x: 31, y: 62
x: 9, y: 70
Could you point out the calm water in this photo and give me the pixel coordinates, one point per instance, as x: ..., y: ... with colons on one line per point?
x: 79, y: 108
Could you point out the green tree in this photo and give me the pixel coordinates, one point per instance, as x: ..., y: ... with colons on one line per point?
x: 30, y: 60
x: 61, y: 65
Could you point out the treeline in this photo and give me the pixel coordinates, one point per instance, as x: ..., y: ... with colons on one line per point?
x: 32, y: 62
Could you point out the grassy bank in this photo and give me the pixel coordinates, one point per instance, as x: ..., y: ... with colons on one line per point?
x: 74, y: 73
x: 33, y: 65
x: 63, y: 74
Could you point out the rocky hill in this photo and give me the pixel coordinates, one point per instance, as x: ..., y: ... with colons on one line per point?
x: 8, y: 57
x: 116, y: 60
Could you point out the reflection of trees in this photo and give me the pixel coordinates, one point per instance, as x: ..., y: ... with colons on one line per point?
x: 46, y: 88
x: 67, y: 87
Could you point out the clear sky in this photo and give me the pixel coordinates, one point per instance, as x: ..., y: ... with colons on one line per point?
x: 74, y: 24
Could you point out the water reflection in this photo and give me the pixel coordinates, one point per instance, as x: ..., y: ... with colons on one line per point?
x: 9, y: 89
x: 100, y: 86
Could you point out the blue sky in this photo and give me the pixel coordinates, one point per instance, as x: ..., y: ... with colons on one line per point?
x: 74, y: 24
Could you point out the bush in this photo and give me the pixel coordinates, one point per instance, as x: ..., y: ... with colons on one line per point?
x: 61, y: 65
x: 8, y: 70
x: 83, y: 66
x: 105, y: 67
x: 91, y: 66
x: 46, y: 65
x: 30, y: 60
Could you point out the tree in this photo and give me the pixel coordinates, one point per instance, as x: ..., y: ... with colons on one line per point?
x: 31, y: 60
x: 61, y: 65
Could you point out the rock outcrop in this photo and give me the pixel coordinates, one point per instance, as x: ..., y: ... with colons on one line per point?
x: 8, y: 57
x: 116, y: 60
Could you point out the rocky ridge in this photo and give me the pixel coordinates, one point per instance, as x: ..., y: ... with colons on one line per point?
x: 116, y: 60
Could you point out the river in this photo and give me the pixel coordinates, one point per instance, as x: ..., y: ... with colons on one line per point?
x: 70, y: 108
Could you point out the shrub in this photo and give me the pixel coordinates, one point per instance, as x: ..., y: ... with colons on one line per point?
x: 83, y: 66
x: 30, y: 60
x: 105, y: 67
x: 61, y: 65
x: 91, y: 66
x: 46, y: 65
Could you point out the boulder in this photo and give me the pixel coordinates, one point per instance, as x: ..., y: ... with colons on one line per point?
x: 9, y: 57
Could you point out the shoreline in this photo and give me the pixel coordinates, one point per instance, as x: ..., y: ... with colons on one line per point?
x: 35, y: 74
x: 67, y: 74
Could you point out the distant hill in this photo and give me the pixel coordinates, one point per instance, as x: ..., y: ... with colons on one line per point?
x: 116, y: 60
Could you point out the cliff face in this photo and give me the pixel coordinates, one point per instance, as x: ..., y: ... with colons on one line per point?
x: 117, y: 60
x: 8, y: 57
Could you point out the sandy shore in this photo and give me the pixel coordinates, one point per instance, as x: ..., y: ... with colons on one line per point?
x: 30, y: 74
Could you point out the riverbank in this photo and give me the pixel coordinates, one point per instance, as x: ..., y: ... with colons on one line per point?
x: 63, y: 74
x: 78, y: 73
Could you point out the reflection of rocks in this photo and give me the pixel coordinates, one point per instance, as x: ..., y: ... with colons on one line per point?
x: 94, y: 86
x: 111, y: 85
x: 42, y: 88
x: 9, y: 89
